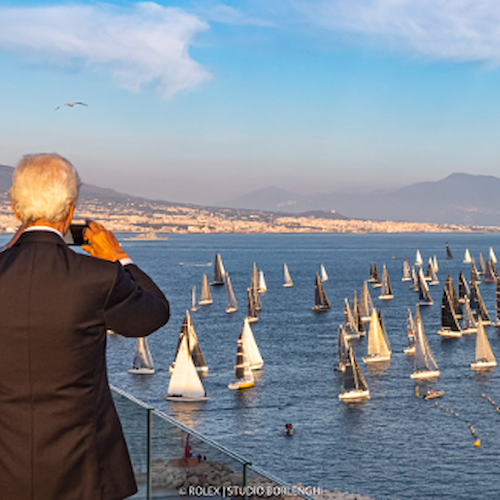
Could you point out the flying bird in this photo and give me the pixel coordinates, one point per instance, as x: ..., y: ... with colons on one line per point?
x: 71, y: 104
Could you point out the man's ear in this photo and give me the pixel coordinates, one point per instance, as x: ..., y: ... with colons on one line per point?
x: 15, y: 211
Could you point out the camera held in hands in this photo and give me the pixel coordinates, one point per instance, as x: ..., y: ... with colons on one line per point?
x: 74, y: 235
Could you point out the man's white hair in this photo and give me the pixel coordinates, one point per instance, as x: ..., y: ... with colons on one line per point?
x: 44, y: 186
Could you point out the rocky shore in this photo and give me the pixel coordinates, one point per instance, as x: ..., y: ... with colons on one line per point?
x: 191, y: 477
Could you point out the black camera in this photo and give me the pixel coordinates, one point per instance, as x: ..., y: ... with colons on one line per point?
x: 74, y: 235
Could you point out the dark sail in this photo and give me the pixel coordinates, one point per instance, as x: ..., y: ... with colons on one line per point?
x: 252, y: 311
x: 376, y: 277
x: 463, y: 287
x: 423, y: 292
x: 490, y: 274
x: 254, y: 286
x: 448, y: 317
x: 449, y: 255
x: 321, y: 302
x: 477, y: 304
x: 218, y: 271
x: 482, y: 264
x: 453, y: 295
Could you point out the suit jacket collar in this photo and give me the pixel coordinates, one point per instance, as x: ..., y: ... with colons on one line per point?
x: 40, y: 237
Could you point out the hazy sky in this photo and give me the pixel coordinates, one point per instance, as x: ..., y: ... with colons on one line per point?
x: 200, y: 101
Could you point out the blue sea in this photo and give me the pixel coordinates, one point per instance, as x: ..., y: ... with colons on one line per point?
x: 393, y: 446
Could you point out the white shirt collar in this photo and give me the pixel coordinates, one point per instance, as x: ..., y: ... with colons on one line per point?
x: 43, y: 228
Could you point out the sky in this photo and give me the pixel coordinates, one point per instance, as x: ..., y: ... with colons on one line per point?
x: 202, y: 101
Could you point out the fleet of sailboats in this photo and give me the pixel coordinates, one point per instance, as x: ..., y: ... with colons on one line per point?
x: 143, y: 361
x: 185, y: 383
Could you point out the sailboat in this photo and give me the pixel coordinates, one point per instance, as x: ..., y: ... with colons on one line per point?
x: 418, y: 259
x: 194, y: 307
x: 435, y: 264
x: 477, y: 304
x: 252, y: 314
x: 467, y: 257
x: 242, y: 373
x: 187, y: 329
x: 424, y: 297
x: 410, y: 327
x: 143, y: 362
x: 322, y: 273
x: 430, y: 266
x: 357, y: 315
x: 449, y: 255
x: 219, y: 271
x: 262, y: 288
x: 384, y: 331
x: 450, y: 327
x: 206, y: 296
x: 372, y: 277
x: 254, y: 286
x: 354, y: 387
x: 321, y: 302
x: 414, y: 278
x: 490, y: 274
x: 497, y: 302
x: 365, y: 304
x: 251, y: 349
x: 386, y: 290
x: 469, y: 324
x: 482, y: 263
x: 350, y: 325
x: 454, y: 297
x: 493, y: 257
x: 342, y: 350
x: 484, y: 355
x: 376, y: 277
x: 425, y: 364
x: 433, y: 279
x: 288, y: 279
x: 406, y: 271
x: 232, y: 305
x: 185, y: 383
x: 378, y: 350
x: 474, y: 272
x: 463, y: 288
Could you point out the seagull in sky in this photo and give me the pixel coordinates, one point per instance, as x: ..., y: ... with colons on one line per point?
x: 71, y: 104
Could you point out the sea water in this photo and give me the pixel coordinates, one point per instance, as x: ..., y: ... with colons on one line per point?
x: 393, y: 446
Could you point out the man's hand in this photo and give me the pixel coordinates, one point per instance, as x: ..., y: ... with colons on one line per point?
x: 102, y: 243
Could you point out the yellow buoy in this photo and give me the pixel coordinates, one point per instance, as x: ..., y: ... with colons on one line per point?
x: 452, y: 412
x: 457, y: 415
x: 483, y: 395
x: 447, y: 409
x: 441, y: 407
x: 436, y: 403
x: 477, y: 443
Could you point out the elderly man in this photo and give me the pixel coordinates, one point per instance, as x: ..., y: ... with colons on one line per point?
x: 60, y: 437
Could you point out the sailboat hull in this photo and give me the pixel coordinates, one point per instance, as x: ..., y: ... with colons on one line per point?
x: 252, y: 319
x: 386, y: 297
x: 194, y: 308
x: 217, y: 283
x: 469, y: 331
x: 449, y: 334
x: 142, y: 371
x: 205, y: 302
x: 424, y: 374
x: 354, y: 396
x: 482, y: 365
x: 422, y: 303
x: 376, y: 359
x: 241, y: 384
x: 409, y: 350
x: 186, y: 399
x: 230, y: 310
x: 320, y: 309
x: 287, y: 285
x: 405, y: 279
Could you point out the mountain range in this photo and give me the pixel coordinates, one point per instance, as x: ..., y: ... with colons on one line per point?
x: 457, y: 199
x: 464, y: 199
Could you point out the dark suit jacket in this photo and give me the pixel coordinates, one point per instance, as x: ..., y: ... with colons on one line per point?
x: 60, y: 437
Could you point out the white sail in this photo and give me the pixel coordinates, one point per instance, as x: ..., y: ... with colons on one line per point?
x: 322, y: 273
x: 262, y: 283
x: 469, y: 324
x: 483, y: 348
x: 435, y: 264
x: 206, y: 296
x: 386, y: 290
x: 288, y: 279
x: 185, y: 383
x: 418, y: 259
x: 254, y: 357
x: 143, y: 361
x: 378, y: 349
x: 194, y: 308
x: 365, y: 303
x: 410, y: 327
x: 425, y: 364
x: 493, y: 257
x: 350, y: 326
x: 467, y: 257
x: 406, y: 271
x: 232, y: 305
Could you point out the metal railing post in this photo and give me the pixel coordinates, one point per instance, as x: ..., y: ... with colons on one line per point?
x: 149, y: 479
